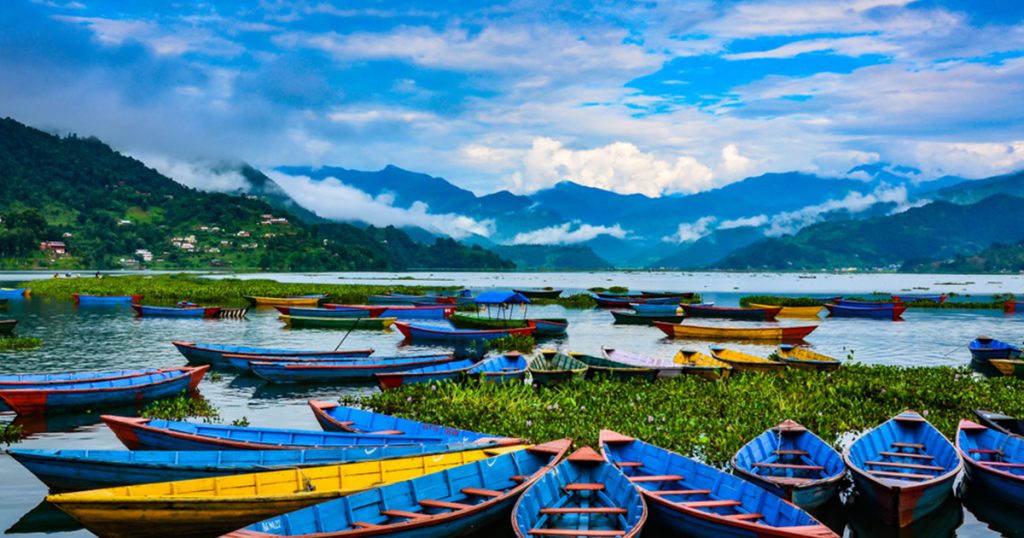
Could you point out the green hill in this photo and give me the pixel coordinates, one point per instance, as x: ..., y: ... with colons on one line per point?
x: 106, y: 208
x: 998, y: 258
x: 939, y: 230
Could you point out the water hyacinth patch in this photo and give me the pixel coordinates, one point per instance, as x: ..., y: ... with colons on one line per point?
x: 709, y: 419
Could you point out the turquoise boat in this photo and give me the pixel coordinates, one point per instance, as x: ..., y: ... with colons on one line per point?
x: 450, y: 503
x: 793, y: 463
x: 994, y: 461
x: 205, y: 353
x: 335, y: 371
x: 583, y: 496
x: 334, y: 417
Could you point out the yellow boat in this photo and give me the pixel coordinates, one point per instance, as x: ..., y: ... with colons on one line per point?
x: 310, y: 300
x: 1009, y: 367
x: 806, y: 359
x: 793, y: 311
x: 720, y: 332
x: 701, y: 364
x: 214, y: 506
x: 743, y: 362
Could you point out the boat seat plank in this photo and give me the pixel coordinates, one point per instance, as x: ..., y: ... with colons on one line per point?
x: 788, y: 480
x: 580, y: 510
x: 386, y: 432
x: 404, y: 513
x: 983, y: 451
x: 915, y: 466
x: 744, y: 517
x: 363, y: 525
x: 656, y: 478
x: 629, y: 464
x: 1008, y: 464
x: 906, y: 455
x: 479, y: 492
x: 444, y: 504
x: 901, y: 418
x: 663, y: 492
x: 894, y: 474
x: 518, y: 478
x: 790, y: 466
x: 711, y: 504
x: 790, y: 452
x: 584, y: 487
x: 899, y: 444
x: 574, y: 532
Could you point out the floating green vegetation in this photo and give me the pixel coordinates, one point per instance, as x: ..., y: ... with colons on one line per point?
x: 18, y: 343
x: 171, y: 288
x: 512, y: 342
x: 709, y: 419
x: 181, y: 407
x: 11, y: 433
x: 613, y: 289
x: 579, y: 300
x: 241, y: 422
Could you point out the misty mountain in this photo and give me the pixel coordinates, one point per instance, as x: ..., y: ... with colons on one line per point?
x: 971, y: 191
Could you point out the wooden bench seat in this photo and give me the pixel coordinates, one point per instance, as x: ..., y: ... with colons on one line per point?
x: 656, y: 478
x: 573, y: 532
x: 744, y: 517
x: 790, y: 466
x: 584, y: 487
x: 404, y: 513
x: 664, y: 492
x: 580, y: 510
x: 624, y: 464
x: 711, y: 504
x: 898, y: 444
x: 479, y: 492
x: 790, y: 452
x: 894, y: 474
x: 444, y: 504
x: 915, y: 466
x: 906, y: 455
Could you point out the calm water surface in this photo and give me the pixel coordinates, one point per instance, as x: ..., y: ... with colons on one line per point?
x: 112, y: 338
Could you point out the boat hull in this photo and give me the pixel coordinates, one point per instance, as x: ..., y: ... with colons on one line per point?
x: 735, y: 333
x: 7, y: 325
x: 370, y: 324
x: 83, y: 299
x: 328, y: 372
x: 794, y: 311
x: 893, y: 312
x: 748, y: 314
x: 431, y: 334
x: 400, y: 311
x: 539, y: 294
x: 312, y: 300
x: 205, y: 354
x: 542, y: 326
x: 175, y: 312
x: 630, y: 318
x: 901, y: 506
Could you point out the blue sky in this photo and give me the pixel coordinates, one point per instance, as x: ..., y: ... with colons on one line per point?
x: 647, y: 97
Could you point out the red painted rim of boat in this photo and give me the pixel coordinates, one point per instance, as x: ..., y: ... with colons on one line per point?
x: 344, y: 352
x: 186, y: 371
x: 137, y: 423
x: 90, y: 379
x: 407, y: 328
x: 320, y: 412
x: 356, y: 365
x: 975, y: 464
x: 819, y: 530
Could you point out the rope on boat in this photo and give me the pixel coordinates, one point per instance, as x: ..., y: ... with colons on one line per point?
x: 233, y: 313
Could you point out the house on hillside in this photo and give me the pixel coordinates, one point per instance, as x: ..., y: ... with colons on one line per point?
x: 54, y: 247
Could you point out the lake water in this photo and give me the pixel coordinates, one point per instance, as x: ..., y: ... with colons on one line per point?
x: 112, y: 338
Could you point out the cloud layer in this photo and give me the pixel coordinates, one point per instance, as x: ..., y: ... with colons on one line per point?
x: 567, y: 234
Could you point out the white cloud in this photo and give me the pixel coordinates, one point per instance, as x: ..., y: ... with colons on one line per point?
x: 733, y: 164
x: 848, y: 46
x: 755, y: 221
x: 332, y: 199
x: 161, y: 40
x: 968, y: 159
x: 620, y: 167
x: 791, y: 222
x: 362, y: 115
x: 198, y: 175
x: 564, y: 234
x: 689, y: 232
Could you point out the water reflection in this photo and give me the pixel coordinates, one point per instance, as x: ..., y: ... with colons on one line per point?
x: 44, y: 518
x: 864, y: 522
x: 1000, y: 516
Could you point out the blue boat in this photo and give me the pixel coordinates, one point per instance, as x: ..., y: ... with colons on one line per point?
x: 201, y: 353
x: 509, y: 367
x: 74, y: 470
x: 984, y: 348
x: 583, y: 496
x: 432, y: 373
x: 422, y: 333
x: 903, y: 468
x: 993, y: 461
x: 453, y: 502
x: 153, y: 434
x: 181, y: 311
x: 793, y: 463
x: 891, y: 311
x: 311, y: 312
x: 862, y: 304
x: 244, y: 362
x: 14, y: 293
x: 436, y: 311
x: 1000, y: 422
x: 334, y: 417
x: 106, y: 393
x: 334, y: 371
x: 687, y: 497
x: 657, y: 309
x: 87, y: 300
x: 29, y: 381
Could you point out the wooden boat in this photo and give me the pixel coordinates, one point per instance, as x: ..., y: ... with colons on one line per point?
x: 543, y: 326
x: 665, y: 369
x: 713, y: 332
x: 511, y: 367
x: 204, y: 507
x: 583, y: 496
x: 793, y: 311
x: 302, y: 322
x: 687, y: 497
x: 7, y: 326
x: 76, y: 470
x: 984, y: 348
x: 1009, y: 367
x: 177, y: 311
x: 919, y: 297
x: 434, y: 373
x: 551, y: 368
x: 104, y: 393
x: 422, y: 333
x: 332, y: 372
x: 334, y: 417
x: 203, y: 353
x: 1000, y: 422
x: 993, y: 461
x: 453, y: 502
x: 540, y: 293
x: 744, y: 362
x: 405, y: 299
x: 625, y: 301
x: 29, y: 381
x: 86, y: 299
x: 294, y: 300
x: 862, y: 303
x: 903, y: 468
x: 614, y: 295
x: 805, y: 359
x: 154, y: 434
x: 316, y: 312
x: 700, y: 364
x: 14, y: 293
x: 749, y: 314
x: 636, y: 318
x: 1011, y: 307
x: 605, y: 367
x: 793, y: 463
x: 401, y: 311
x: 893, y: 311
x: 658, y: 309
x: 678, y: 294
x: 244, y: 362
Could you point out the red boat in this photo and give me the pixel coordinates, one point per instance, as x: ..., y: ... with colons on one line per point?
x: 751, y: 314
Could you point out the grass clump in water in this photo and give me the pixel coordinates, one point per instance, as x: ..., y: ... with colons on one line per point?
x: 17, y: 343
x: 181, y: 407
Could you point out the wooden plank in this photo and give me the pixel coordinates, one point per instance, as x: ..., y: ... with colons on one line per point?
x: 711, y: 504
x: 915, y: 466
x: 664, y: 492
x: 906, y: 455
x: 790, y: 452
x: 790, y: 466
x: 1008, y: 464
x: 584, y: 487
x: 445, y: 504
x: 518, y: 478
x: 894, y: 474
x: 580, y: 510
x: 898, y: 444
x: 363, y: 525
x: 573, y: 532
x: 403, y: 513
x: 744, y: 517
x: 479, y: 492
x: 629, y: 464
x: 656, y: 478
x: 983, y: 451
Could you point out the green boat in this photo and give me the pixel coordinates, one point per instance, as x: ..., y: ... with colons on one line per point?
x: 600, y: 366
x: 545, y: 326
x: 300, y: 322
x: 551, y: 368
x: 7, y: 325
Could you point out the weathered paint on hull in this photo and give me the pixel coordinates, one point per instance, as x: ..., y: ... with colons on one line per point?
x: 808, y: 498
x: 995, y: 485
x: 902, y: 506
